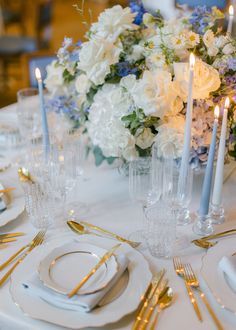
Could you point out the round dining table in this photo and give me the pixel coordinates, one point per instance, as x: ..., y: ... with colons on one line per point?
x: 106, y: 192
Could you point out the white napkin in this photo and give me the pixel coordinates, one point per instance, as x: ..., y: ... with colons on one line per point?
x: 83, y: 303
x: 228, y: 266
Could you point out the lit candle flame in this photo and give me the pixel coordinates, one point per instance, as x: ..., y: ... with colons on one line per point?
x: 191, y: 61
x: 217, y: 112
x: 227, y: 102
x: 231, y: 10
x: 38, y: 74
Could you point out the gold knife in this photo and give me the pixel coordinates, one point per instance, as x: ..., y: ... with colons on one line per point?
x: 104, y: 258
x: 155, y: 283
x: 7, y: 240
x: 9, y: 235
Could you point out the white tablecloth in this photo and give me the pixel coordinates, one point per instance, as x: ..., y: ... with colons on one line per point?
x: 106, y: 192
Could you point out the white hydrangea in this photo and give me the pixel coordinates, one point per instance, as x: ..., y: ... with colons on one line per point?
x: 82, y: 84
x: 171, y: 132
x: 105, y: 127
x: 96, y: 57
x: 112, y: 22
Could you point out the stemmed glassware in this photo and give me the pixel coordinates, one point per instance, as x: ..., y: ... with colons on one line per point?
x: 140, y: 183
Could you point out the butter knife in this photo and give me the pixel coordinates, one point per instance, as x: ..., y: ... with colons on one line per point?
x: 104, y: 258
x: 9, y: 235
x: 7, y: 240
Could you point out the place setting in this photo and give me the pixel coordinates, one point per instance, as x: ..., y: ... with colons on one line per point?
x: 147, y: 104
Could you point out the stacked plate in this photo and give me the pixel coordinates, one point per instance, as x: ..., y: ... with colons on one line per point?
x: 40, y: 285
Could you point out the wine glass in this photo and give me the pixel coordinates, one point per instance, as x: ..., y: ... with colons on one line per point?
x: 140, y: 183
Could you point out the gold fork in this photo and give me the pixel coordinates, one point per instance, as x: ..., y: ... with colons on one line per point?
x: 193, y: 282
x: 6, y: 263
x: 179, y: 269
x: 37, y: 241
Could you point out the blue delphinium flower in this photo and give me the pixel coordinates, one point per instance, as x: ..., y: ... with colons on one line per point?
x: 200, y: 19
x: 63, y: 104
x: 124, y: 69
x: 137, y: 7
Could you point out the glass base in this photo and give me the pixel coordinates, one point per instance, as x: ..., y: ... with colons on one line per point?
x: 217, y: 214
x: 183, y: 217
x: 203, y: 225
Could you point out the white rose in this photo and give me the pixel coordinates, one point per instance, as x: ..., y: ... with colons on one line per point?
x: 209, y: 38
x: 170, y: 137
x: 228, y: 49
x: 114, y: 21
x: 206, y: 79
x: 82, y: 84
x: 151, y: 93
x: 212, y: 51
x: 96, y: 57
x: 54, y: 81
x: 144, y: 138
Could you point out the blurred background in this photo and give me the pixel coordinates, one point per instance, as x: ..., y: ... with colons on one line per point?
x: 33, y: 30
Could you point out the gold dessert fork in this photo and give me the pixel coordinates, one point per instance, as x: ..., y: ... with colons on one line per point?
x: 193, y: 282
x: 37, y: 241
x: 179, y: 269
x: 38, y: 236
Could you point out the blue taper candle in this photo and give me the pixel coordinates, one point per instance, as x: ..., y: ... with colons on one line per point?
x: 46, y: 142
x: 207, y: 183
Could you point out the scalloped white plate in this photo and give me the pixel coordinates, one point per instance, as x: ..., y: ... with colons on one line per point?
x: 214, y: 276
x: 126, y: 303
x: 65, y: 266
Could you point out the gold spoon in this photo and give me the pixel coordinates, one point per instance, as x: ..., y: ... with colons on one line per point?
x: 24, y: 175
x: 80, y: 229
x: 204, y: 243
x: 163, y: 302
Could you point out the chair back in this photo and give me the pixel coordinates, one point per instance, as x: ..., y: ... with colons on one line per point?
x: 34, y: 60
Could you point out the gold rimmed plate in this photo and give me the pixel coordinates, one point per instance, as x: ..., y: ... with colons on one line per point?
x: 64, y: 267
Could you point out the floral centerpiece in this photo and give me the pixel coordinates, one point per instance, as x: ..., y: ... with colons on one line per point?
x: 128, y: 83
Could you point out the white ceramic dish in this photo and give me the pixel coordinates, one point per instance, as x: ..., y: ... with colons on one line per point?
x: 126, y: 302
x: 15, y: 199
x: 64, y: 267
x: 214, y: 276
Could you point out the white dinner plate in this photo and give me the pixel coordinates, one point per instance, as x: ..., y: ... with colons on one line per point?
x: 15, y: 199
x: 125, y: 303
x: 64, y: 267
x: 215, y: 278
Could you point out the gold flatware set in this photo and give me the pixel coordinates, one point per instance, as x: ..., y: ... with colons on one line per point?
x: 9, y: 237
x: 192, y: 283
x: 37, y: 240
x: 157, y: 297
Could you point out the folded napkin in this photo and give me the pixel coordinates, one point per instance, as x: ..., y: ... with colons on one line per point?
x: 228, y: 266
x: 83, y: 303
